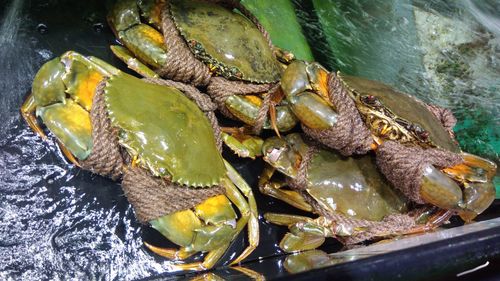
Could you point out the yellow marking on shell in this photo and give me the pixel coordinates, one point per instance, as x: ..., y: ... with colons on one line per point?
x: 215, y: 209
x: 322, y: 86
x: 254, y: 99
x: 154, y: 35
x: 71, y: 124
x: 135, y: 161
x: 178, y: 227
x: 212, y: 67
x: 84, y: 92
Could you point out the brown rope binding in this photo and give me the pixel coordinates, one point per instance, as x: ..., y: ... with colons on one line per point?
x: 300, y: 181
x: 350, y: 134
x: 150, y: 196
x: 445, y: 116
x: 362, y: 229
x: 181, y: 64
x: 154, y: 197
x: 105, y: 158
x: 403, y: 165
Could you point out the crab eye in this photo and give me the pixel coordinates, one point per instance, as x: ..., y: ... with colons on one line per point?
x: 420, y: 132
x: 370, y: 100
x: 424, y: 135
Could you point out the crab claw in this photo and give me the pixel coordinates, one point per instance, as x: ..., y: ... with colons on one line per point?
x: 477, y: 197
x: 305, y: 88
x: 477, y: 194
x: 440, y: 190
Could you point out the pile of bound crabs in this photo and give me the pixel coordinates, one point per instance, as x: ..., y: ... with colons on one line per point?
x: 372, y: 163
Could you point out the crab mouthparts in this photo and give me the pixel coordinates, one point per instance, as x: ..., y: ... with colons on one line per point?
x: 274, y: 155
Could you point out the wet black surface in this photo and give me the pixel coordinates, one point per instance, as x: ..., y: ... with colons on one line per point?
x: 57, y: 221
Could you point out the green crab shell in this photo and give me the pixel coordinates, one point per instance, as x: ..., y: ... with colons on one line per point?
x: 168, y: 133
x: 352, y: 186
x: 405, y: 107
x: 226, y: 41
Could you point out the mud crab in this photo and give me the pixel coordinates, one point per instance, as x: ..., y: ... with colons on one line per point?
x: 392, y: 116
x: 349, y: 186
x: 161, y: 132
x: 224, y: 43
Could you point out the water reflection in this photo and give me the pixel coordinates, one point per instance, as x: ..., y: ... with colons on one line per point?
x: 57, y: 222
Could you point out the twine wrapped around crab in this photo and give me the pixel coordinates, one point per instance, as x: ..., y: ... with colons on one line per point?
x: 414, y: 142
x: 209, y: 44
x: 354, y: 201
x: 160, y: 142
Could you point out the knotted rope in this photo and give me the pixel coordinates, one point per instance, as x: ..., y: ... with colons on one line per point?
x: 151, y: 197
x: 349, y: 135
x: 362, y: 229
x: 154, y: 197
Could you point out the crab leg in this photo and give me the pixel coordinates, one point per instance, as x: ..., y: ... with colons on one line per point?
x: 250, y: 273
x: 247, y: 210
x: 273, y: 189
x: 474, y: 168
x: 210, y: 260
x: 168, y: 253
x: 126, y: 56
x: 440, y: 188
x: 305, y: 238
x: 284, y: 219
x: 48, y: 88
x: 242, y: 144
x: 28, y: 112
x: 301, y: 241
x: 246, y: 109
x: 62, y: 94
x: 209, y: 276
x: 434, y: 222
x: 209, y: 226
x: 247, y: 216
